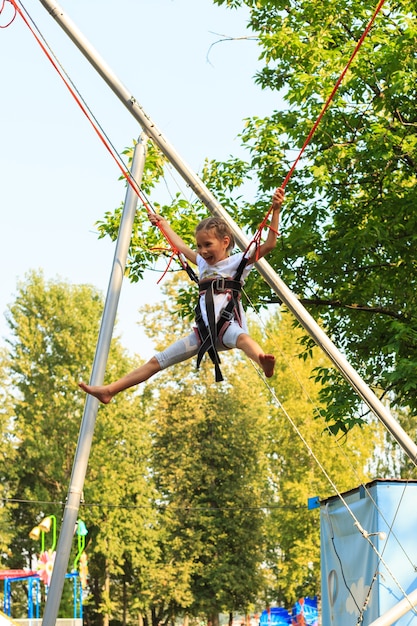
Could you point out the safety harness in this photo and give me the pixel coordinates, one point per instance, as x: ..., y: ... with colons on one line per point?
x: 211, y: 334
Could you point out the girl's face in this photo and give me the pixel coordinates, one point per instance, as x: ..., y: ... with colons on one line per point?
x: 210, y: 247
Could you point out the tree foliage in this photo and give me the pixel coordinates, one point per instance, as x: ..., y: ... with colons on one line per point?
x: 349, y: 232
x: 234, y: 476
x: 305, y: 463
x: 349, y: 224
x: 210, y: 471
x: 8, y: 458
x: 195, y: 496
x: 54, y: 332
x: 349, y: 221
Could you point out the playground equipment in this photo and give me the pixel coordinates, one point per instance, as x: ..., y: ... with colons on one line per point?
x: 32, y: 579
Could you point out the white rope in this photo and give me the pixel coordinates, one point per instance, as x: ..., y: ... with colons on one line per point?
x: 356, y: 522
x: 343, y: 452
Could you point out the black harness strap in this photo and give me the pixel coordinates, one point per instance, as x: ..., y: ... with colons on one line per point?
x: 210, y: 334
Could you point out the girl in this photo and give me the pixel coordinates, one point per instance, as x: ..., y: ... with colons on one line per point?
x: 214, y: 241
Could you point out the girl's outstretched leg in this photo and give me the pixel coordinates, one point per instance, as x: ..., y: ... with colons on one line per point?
x: 105, y: 393
x: 254, y: 351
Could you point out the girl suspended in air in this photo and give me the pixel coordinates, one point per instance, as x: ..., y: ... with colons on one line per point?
x: 220, y: 318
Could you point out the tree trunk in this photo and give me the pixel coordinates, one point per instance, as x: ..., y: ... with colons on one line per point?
x: 155, y: 617
x: 106, y: 588
x: 124, y: 610
x: 213, y: 620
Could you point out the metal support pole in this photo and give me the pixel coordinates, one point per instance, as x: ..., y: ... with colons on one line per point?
x: 201, y: 191
x: 90, y: 411
x: 393, y: 615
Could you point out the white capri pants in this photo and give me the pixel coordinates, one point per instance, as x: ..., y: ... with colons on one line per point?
x: 187, y: 347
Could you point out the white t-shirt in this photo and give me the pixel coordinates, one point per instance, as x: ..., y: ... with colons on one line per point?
x: 226, y: 269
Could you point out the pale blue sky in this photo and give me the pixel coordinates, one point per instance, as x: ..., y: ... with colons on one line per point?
x: 56, y: 177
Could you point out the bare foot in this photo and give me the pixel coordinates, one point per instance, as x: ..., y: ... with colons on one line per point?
x: 100, y: 392
x: 267, y: 362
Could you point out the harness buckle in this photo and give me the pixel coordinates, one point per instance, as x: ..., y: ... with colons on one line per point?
x: 219, y: 284
x: 227, y: 315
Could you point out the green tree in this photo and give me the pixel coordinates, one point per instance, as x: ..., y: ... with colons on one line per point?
x: 54, y: 332
x: 8, y: 460
x: 305, y: 463
x: 210, y: 469
x: 119, y: 506
x: 234, y: 476
x: 350, y: 222
x: 349, y: 225
x: 51, y: 346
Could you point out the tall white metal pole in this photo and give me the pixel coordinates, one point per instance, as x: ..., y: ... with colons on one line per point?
x: 392, y: 615
x: 210, y: 201
x: 90, y: 411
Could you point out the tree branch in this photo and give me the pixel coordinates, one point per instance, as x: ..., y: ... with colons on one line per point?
x: 343, y: 305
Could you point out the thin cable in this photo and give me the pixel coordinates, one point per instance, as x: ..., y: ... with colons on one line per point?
x: 356, y: 523
x: 261, y: 507
x: 256, y: 239
x: 348, y: 460
x: 333, y: 92
x: 80, y: 101
x: 97, y: 128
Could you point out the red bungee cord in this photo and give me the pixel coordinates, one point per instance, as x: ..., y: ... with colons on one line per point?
x: 127, y: 175
x: 2, y: 6
x: 335, y: 88
x: 257, y: 237
x: 125, y: 172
